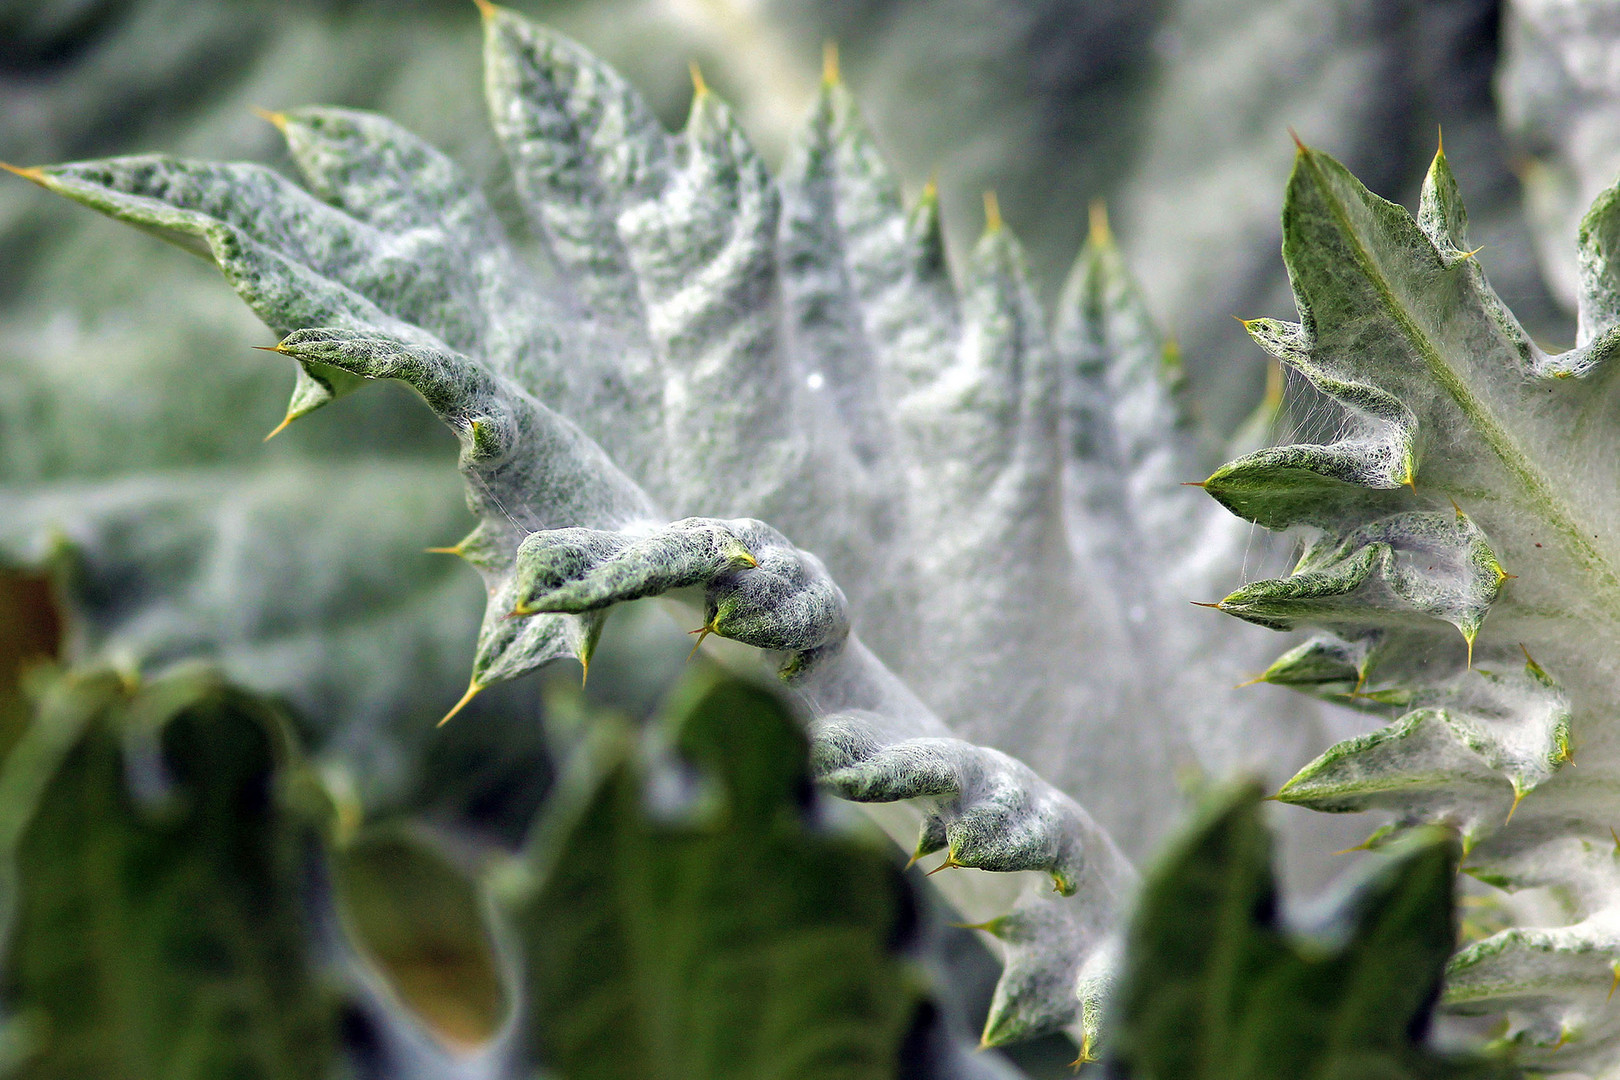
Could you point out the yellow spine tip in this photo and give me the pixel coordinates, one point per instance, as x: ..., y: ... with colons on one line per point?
x: 453, y: 550
x: 277, y: 119
x: 1100, y: 233
x: 1518, y: 797
x: 472, y: 691
x: 1616, y: 837
x: 702, y: 632
x: 1299, y: 144
x: 948, y: 864
x: 584, y: 671
x: 1195, y: 483
x: 1199, y: 603
x: 1251, y: 682
x: 269, y: 348
x: 1615, y: 968
x: 699, y: 86
x: 36, y: 176
x: 829, y: 63
x: 1440, y: 142
x: 279, y: 428
x: 992, y: 212
x: 485, y: 8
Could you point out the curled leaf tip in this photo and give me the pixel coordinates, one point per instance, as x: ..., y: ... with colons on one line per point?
x: 472, y: 691
x: 270, y: 116
x: 829, y: 62
x: 700, y: 88
x: 279, y: 428
x: 36, y: 176
x: 1100, y: 234
x: 992, y: 212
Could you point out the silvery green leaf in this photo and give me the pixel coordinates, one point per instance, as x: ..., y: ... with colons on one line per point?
x: 1467, y: 487
x: 1556, y: 984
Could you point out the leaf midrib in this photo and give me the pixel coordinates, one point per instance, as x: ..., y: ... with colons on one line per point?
x: 1535, y: 485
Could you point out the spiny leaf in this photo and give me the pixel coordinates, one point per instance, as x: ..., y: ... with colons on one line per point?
x: 1447, y: 401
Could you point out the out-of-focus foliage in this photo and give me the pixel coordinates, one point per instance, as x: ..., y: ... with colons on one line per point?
x: 185, y: 897
x: 1214, y: 985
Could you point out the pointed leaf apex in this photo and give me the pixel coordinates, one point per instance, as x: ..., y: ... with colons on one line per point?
x: 35, y: 175
x: 277, y: 119
x: 1299, y: 145
x: 829, y: 63
x: 486, y: 9
x: 472, y: 691
x: 1101, y: 235
x: 1439, y: 142
x: 700, y: 88
x: 930, y: 191
x: 992, y: 212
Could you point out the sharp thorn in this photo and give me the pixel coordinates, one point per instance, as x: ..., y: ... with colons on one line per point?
x: 1251, y: 682
x: 279, y: 428
x: 1195, y: 483
x: 946, y: 865
x: 36, y: 176
x: 699, y: 86
x: 277, y: 119
x: 1100, y: 234
x: 1518, y: 797
x: 456, y: 550
x: 1299, y: 145
x: 486, y: 9
x: 472, y: 691
x: 1199, y: 603
x: 992, y: 212
x: 702, y: 632
x: 829, y: 62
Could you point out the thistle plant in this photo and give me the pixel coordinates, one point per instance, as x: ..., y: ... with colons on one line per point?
x: 960, y: 537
